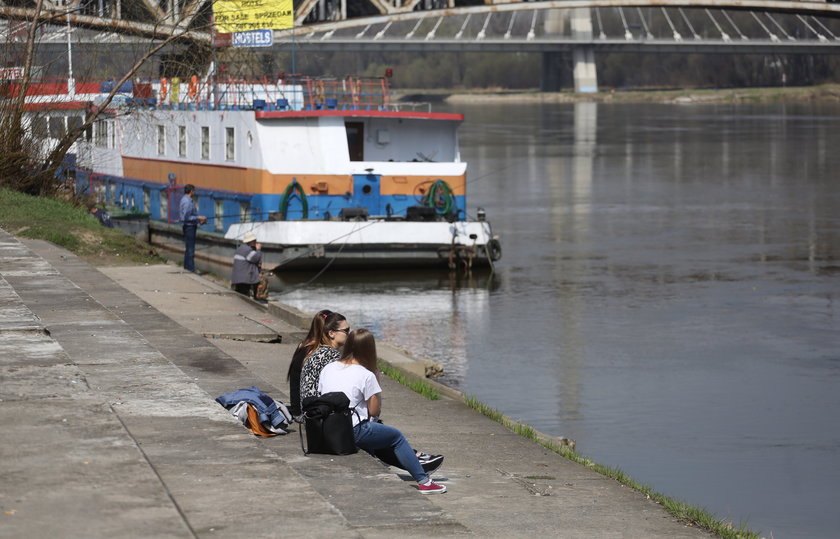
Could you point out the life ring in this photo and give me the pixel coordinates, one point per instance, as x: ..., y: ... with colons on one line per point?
x: 494, y: 249
x: 192, y: 88
x: 164, y: 89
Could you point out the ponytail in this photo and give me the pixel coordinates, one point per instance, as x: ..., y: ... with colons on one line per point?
x: 309, y: 343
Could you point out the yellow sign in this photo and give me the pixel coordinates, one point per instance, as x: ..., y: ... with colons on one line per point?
x: 244, y: 15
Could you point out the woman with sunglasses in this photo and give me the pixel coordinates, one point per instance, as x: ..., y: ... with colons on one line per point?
x: 306, y: 347
x: 326, y: 337
x: 356, y: 375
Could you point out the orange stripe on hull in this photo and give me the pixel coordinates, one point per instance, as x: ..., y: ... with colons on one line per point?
x: 419, y: 185
x: 248, y: 180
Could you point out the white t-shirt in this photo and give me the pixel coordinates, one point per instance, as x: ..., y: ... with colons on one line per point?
x: 355, y: 381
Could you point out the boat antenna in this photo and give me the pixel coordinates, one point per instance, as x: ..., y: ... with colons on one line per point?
x: 71, y: 83
x: 294, y: 46
x: 213, y: 86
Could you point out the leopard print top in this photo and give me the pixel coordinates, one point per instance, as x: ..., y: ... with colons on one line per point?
x: 311, y: 371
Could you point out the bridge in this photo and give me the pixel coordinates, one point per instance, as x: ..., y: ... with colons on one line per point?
x: 554, y: 28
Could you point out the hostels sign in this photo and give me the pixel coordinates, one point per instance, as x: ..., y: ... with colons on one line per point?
x: 254, y: 38
x: 246, y: 15
x: 11, y: 73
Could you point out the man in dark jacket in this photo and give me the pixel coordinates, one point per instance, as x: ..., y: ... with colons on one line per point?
x: 247, y: 261
x: 101, y: 215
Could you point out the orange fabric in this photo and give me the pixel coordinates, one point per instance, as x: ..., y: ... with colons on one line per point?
x: 193, y: 87
x: 254, y: 425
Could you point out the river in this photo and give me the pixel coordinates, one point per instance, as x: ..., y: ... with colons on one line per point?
x: 667, y: 296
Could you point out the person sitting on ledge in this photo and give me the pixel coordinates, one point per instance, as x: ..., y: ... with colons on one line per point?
x: 320, y: 347
x: 306, y: 347
x: 356, y: 375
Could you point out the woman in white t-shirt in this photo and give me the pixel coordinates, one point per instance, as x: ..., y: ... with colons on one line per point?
x: 355, y: 374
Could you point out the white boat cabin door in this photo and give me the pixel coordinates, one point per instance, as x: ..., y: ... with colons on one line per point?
x: 356, y: 140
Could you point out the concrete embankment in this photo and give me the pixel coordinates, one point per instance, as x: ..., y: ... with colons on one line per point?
x: 109, y: 427
x: 824, y: 93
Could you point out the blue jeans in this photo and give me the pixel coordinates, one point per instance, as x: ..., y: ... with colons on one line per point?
x: 189, y: 247
x: 371, y: 436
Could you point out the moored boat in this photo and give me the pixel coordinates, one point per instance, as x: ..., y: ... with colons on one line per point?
x: 321, y: 170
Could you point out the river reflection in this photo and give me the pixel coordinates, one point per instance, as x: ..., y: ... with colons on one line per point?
x: 667, y: 296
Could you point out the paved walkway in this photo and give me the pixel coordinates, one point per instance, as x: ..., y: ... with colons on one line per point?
x: 109, y: 427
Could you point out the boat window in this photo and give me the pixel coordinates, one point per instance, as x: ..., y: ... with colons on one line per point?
x: 244, y: 212
x: 161, y: 141
x: 147, y: 200
x: 57, y: 126
x: 89, y: 133
x: 39, y: 126
x: 112, y: 134
x: 101, y: 134
x: 230, y: 141
x: 182, y: 141
x: 205, y: 142
x: 356, y: 140
x: 74, y: 122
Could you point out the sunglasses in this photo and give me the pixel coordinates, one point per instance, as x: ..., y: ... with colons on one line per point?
x: 346, y: 331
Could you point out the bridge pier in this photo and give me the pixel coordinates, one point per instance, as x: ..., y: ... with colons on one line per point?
x: 554, y: 64
x: 586, y: 78
x: 583, y: 56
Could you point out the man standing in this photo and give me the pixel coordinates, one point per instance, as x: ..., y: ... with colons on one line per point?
x: 190, y: 219
x: 247, y: 261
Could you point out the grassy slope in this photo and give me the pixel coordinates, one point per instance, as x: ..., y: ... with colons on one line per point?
x: 70, y: 227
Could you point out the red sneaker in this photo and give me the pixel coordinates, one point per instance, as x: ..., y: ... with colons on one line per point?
x: 431, y: 488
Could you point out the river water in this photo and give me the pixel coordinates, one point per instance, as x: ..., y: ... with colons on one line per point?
x: 667, y: 296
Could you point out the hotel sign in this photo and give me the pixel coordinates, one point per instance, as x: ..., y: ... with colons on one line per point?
x: 11, y: 73
x: 254, y: 38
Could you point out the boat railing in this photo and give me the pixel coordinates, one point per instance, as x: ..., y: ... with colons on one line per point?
x: 283, y: 93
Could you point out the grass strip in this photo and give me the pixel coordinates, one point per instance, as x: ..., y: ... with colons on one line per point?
x: 70, y: 227
x: 682, y: 511
x: 418, y: 386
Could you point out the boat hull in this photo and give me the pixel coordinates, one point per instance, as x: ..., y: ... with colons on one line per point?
x: 362, y: 245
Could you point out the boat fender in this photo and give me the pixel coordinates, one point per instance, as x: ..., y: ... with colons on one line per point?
x: 164, y: 89
x: 192, y: 88
x: 494, y: 249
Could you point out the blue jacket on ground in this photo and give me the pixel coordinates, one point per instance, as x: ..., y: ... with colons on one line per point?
x: 266, y: 407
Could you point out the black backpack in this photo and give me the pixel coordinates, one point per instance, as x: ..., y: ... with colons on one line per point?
x: 328, y: 420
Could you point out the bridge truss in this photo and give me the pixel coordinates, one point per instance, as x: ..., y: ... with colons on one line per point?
x: 577, y: 27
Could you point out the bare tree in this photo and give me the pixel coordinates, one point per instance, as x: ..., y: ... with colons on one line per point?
x: 27, y: 163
